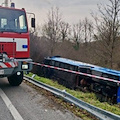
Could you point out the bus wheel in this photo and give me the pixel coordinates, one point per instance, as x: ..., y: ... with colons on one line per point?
x: 16, y: 79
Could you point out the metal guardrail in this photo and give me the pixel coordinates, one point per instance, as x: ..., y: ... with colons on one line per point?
x: 97, y: 112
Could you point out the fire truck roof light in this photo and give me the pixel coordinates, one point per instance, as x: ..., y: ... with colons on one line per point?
x: 12, y: 5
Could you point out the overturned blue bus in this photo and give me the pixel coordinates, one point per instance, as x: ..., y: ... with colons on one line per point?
x: 73, y: 74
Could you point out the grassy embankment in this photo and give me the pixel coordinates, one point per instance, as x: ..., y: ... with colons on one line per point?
x: 87, y: 97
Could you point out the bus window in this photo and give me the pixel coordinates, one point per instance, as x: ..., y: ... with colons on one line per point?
x: 56, y: 64
x: 61, y: 65
x: 66, y: 66
x: 75, y: 68
x: 71, y: 67
x: 52, y: 63
x: 47, y: 62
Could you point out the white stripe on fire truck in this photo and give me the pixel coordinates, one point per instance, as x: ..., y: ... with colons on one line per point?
x: 3, y: 65
x: 8, y: 65
x: 16, y: 63
x: 19, y: 42
x: 12, y: 64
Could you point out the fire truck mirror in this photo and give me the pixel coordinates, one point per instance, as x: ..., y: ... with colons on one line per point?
x: 33, y: 22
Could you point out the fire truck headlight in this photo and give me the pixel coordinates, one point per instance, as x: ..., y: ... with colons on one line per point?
x: 24, y: 66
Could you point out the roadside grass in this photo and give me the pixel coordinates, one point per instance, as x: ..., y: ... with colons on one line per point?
x: 88, y: 97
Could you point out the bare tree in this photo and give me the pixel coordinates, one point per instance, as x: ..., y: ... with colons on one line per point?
x: 108, y: 28
x: 82, y: 32
x: 87, y: 31
x: 64, y: 29
x: 77, y: 34
x: 51, y: 29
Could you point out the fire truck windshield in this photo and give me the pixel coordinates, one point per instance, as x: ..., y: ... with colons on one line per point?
x: 12, y: 20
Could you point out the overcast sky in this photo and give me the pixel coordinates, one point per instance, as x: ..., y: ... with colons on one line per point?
x: 72, y: 10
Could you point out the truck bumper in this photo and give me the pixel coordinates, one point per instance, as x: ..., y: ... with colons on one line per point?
x: 18, y: 65
x: 24, y: 65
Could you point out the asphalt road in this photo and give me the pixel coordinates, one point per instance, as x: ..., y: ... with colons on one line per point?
x: 25, y: 103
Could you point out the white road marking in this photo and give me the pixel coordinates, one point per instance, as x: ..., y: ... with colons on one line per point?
x: 10, y: 106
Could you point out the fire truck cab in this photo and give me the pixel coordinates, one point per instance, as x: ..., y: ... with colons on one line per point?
x: 14, y: 44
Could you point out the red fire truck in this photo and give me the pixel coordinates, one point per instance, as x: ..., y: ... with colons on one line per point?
x: 14, y: 44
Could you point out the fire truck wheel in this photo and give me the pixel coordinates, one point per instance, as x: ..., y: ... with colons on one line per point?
x: 16, y: 80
